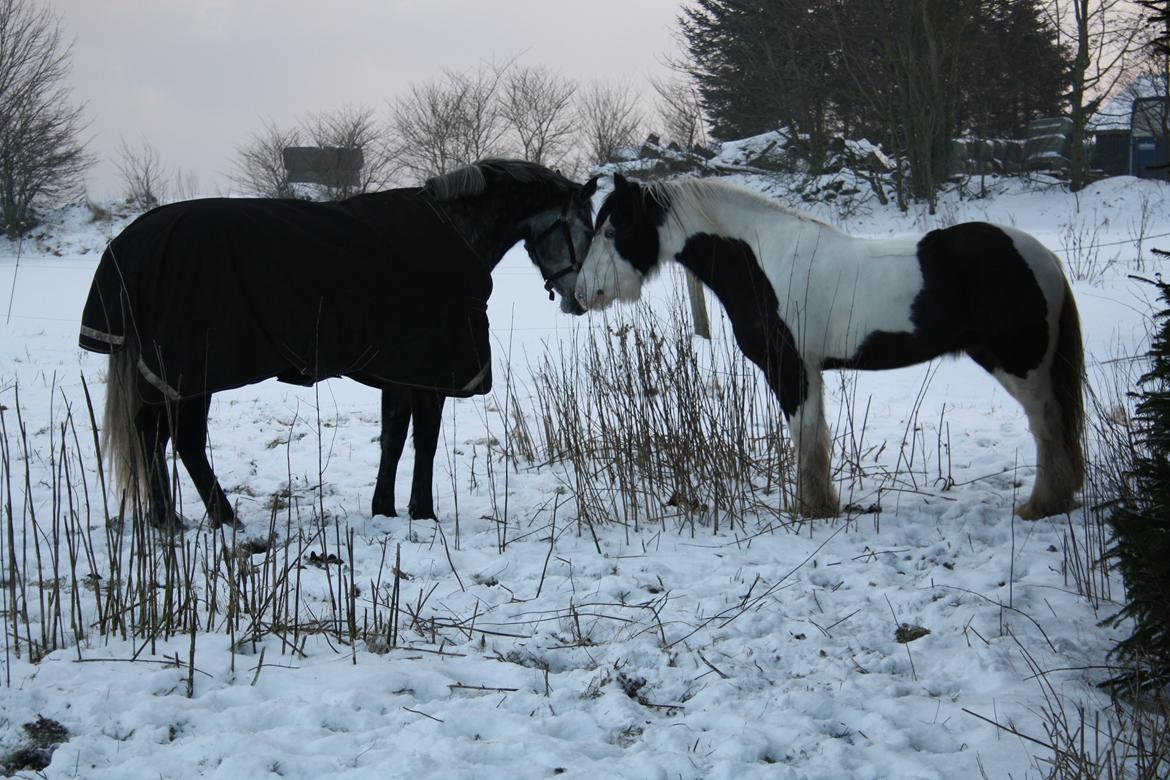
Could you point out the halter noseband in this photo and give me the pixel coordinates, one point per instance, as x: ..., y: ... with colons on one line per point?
x: 574, y: 266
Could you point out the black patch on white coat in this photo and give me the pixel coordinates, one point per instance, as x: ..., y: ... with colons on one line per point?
x: 978, y: 296
x: 635, y: 216
x: 729, y: 267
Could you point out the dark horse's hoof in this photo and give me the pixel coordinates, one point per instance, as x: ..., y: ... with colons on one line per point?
x: 422, y: 512
x: 171, y: 523
x: 227, y: 524
x: 177, y: 524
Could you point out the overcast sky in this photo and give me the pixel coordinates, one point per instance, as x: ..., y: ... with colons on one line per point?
x: 195, y: 78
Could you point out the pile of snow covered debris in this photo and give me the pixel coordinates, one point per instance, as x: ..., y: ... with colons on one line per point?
x: 852, y: 174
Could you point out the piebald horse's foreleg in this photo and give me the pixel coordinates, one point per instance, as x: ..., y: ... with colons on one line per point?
x: 815, y: 495
x: 800, y: 390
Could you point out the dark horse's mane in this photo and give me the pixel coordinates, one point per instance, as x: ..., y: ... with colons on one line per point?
x: 471, y: 180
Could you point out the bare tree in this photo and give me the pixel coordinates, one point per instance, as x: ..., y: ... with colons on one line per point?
x: 259, y: 166
x: 42, y: 155
x: 142, y: 174
x: 680, y: 111
x: 186, y: 185
x: 537, y: 104
x: 425, y: 123
x: 1156, y: 48
x: 359, y: 129
x: 1103, y: 36
x: 454, y: 121
x: 902, y: 60
x: 481, y: 124
x: 1157, y: 24
x: 609, y: 119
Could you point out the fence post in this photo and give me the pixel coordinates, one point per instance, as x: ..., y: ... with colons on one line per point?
x: 698, y: 306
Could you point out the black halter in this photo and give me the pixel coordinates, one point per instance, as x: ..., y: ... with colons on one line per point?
x: 574, y: 266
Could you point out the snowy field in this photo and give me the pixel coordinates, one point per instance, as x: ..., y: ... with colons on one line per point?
x: 541, y: 647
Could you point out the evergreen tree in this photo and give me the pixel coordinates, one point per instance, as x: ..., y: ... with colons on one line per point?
x: 909, y: 74
x: 1141, y: 520
x: 1018, y: 72
x: 756, y: 64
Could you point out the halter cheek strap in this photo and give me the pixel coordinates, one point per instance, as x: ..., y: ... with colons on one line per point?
x: 574, y: 265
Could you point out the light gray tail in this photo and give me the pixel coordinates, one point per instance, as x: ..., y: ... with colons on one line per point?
x: 120, y: 443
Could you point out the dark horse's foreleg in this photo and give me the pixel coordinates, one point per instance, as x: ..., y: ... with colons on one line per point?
x: 428, y: 415
x: 395, y: 422
x: 399, y: 405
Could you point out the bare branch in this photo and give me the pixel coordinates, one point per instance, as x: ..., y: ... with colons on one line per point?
x: 537, y: 104
x: 354, y: 128
x: 609, y: 118
x: 143, y: 176
x: 42, y: 154
x: 259, y: 167
x: 454, y: 121
x: 1103, y: 38
x: 680, y: 111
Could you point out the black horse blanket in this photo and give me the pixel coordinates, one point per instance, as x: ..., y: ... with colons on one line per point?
x: 220, y: 293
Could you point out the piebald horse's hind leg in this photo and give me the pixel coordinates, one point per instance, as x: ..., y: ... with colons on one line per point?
x: 1054, y: 491
x: 395, y: 423
x: 815, y: 495
x: 189, y: 432
x: 428, y: 415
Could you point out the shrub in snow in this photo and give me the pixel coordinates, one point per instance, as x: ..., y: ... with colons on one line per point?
x: 1141, y: 520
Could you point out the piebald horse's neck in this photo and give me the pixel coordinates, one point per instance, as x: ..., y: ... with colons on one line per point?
x: 775, y: 234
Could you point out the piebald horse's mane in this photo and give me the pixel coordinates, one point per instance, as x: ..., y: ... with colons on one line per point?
x: 697, y: 196
x: 472, y: 180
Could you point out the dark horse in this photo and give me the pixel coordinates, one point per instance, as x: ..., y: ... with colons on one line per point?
x: 803, y: 297
x: 387, y: 288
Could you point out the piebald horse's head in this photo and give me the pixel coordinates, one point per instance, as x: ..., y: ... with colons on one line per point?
x: 625, y: 249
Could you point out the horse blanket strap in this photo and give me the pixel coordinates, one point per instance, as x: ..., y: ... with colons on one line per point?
x: 219, y: 293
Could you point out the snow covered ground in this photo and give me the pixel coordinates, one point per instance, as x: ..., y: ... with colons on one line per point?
x: 767, y: 650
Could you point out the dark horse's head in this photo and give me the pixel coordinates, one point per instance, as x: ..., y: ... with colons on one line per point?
x: 500, y: 202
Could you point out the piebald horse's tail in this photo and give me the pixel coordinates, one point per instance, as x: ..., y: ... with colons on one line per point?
x: 1068, y: 376
x: 120, y: 442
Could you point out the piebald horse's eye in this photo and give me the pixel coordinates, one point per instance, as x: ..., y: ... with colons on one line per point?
x: 609, y: 232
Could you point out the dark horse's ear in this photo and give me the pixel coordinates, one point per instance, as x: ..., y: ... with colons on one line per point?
x: 619, y: 182
x: 589, y: 188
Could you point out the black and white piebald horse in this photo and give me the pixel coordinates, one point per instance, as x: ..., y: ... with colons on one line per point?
x: 388, y: 288
x: 803, y: 297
